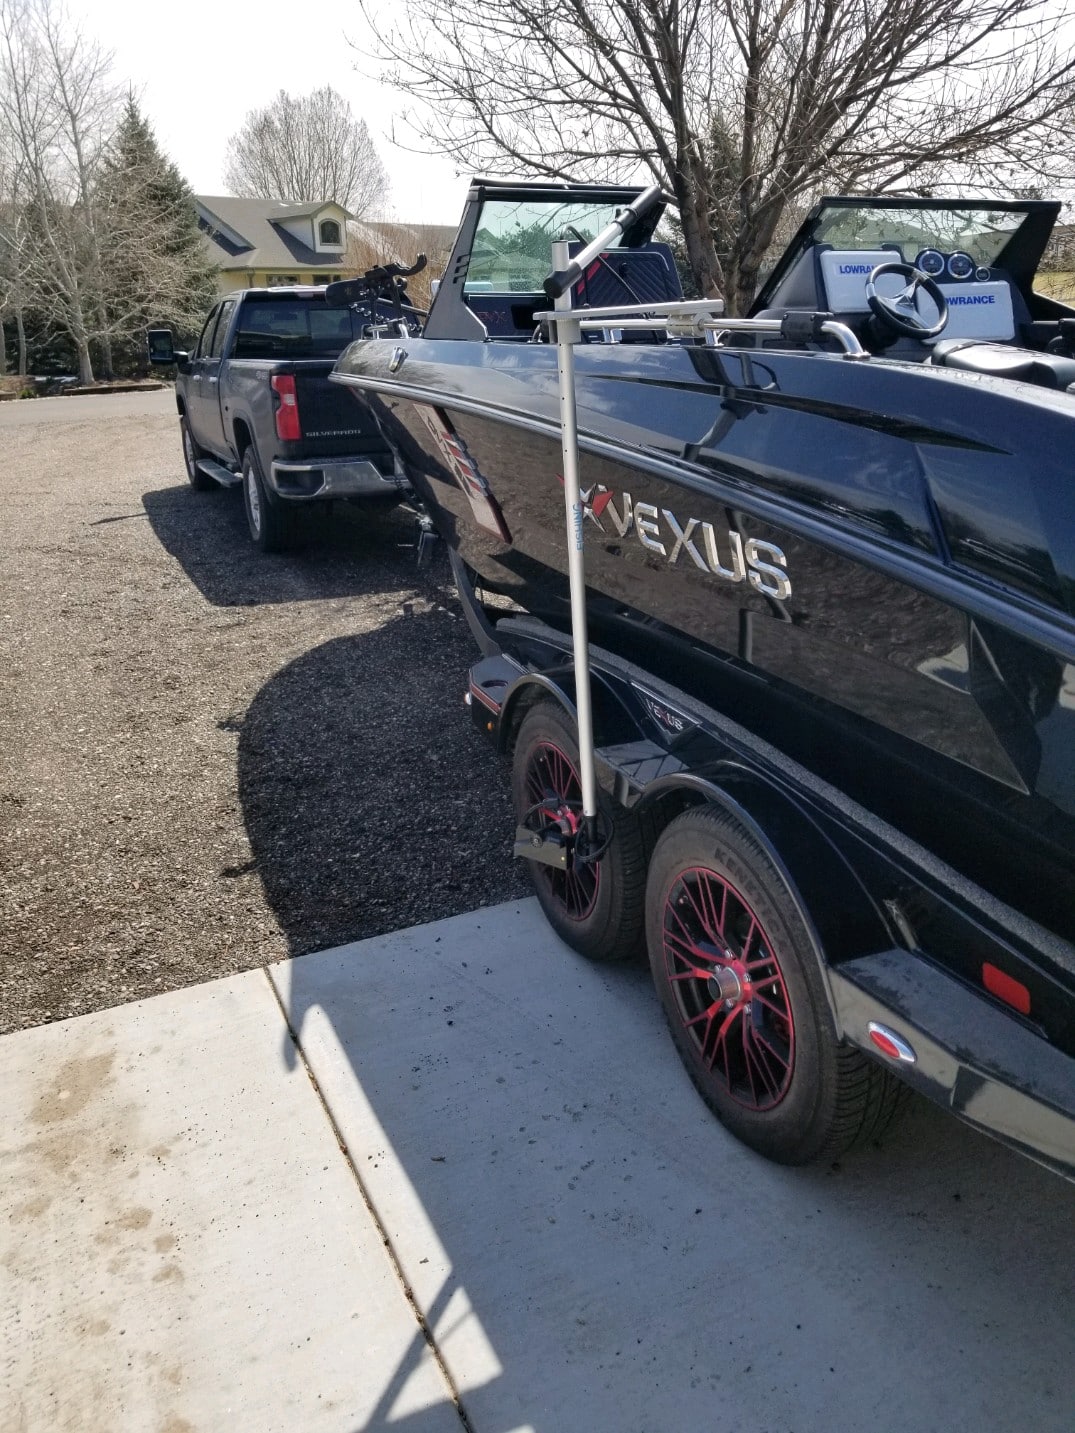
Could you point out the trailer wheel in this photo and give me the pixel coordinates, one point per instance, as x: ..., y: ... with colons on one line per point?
x: 598, y: 909
x: 270, y: 526
x: 739, y: 982
x: 199, y: 481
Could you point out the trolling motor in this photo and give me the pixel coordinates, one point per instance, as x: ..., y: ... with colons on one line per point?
x: 384, y: 284
x: 568, y: 836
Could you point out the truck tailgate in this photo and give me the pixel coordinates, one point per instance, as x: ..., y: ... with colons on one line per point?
x: 332, y: 421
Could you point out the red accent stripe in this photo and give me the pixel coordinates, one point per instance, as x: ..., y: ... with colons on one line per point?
x: 485, y: 699
x: 1013, y: 992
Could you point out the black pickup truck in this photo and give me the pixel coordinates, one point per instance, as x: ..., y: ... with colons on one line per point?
x: 256, y: 408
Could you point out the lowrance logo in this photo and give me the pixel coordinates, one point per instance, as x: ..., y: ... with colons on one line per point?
x: 967, y: 300
x: 855, y: 269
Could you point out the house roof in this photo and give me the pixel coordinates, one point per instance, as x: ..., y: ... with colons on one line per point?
x: 431, y: 236
x: 247, y: 234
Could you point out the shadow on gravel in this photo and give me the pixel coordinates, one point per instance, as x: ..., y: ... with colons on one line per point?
x: 338, y: 552
x: 370, y: 801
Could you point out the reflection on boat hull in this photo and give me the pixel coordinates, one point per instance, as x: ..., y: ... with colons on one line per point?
x: 749, y: 533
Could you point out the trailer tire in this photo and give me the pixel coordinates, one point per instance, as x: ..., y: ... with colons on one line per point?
x: 199, y: 481
x: 270, y: 525
x: 600, y: 912
x: 752, y: 1023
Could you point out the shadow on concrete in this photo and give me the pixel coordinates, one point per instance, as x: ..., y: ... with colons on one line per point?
x: 593, y: 1251
x: 339, y: 551
x: 589, y: 1246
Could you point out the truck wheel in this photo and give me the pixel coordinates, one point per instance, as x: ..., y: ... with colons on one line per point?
x: 597, y: 909
x: 742, y: 993
x: 270, y: 526
x: 199, y: 481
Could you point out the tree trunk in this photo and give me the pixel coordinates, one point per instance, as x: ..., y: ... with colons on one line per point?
x: 20, y: 333
x: 85, y: 362
x: 697, y: 234
x: 749, y: 251
x: 3, y: 348
x: 107, y: 370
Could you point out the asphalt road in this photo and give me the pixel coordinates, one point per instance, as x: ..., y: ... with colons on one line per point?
x: 211, y: 759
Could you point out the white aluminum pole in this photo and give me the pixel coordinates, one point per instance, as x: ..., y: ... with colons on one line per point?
x: 568, y: 334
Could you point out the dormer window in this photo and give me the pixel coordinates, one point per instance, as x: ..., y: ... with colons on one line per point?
x: 329, y: 231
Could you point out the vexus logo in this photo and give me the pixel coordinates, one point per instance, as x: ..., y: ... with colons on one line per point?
x: 594, y: 500
x: 731, y: 556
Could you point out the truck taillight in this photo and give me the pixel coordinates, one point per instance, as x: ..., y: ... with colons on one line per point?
x: 287, y: 407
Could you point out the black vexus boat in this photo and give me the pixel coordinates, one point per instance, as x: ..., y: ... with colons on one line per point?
x: 830, y: 591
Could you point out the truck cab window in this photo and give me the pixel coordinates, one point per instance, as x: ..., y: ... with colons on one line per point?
x: 204, y: 338
x: 217, y: 346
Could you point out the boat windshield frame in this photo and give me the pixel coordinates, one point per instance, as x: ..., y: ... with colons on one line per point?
x: 450, y: 317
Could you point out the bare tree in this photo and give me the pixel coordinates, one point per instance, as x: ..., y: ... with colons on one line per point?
x: 393, y: 242
x: 57, y: 107
x: 307, y: 148
x: 740, y: 107
x: 11, y: 257
x: 14, y: 287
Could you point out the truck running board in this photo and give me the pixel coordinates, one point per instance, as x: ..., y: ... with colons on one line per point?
x: 224, y: 476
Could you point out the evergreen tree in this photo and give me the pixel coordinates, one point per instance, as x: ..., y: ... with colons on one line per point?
x: 156, y: 267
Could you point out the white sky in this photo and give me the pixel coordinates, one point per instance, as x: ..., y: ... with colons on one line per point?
x: 198, y: 66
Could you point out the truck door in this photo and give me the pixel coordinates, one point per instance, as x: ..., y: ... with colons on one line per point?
x: 210, y: 419
x: 195, y: 419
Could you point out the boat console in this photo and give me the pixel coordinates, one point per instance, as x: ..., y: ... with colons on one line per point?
x: 976, y: 259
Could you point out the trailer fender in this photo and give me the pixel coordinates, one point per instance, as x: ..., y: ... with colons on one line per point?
x: 842, y: 920
x: 612, y: 722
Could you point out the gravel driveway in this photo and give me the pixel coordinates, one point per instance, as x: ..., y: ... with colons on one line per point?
x: 212, y: 759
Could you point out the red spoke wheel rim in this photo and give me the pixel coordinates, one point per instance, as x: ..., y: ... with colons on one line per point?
x: 728, y: 989
x: 552, y: 784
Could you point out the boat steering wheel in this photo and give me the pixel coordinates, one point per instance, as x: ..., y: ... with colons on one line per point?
x: 900, y: 311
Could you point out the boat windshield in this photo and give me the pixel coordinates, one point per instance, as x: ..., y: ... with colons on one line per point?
x: 512, y: 250
x: 980, y: 232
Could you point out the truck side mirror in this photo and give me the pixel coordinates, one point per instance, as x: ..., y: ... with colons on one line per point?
x: 160, y: 347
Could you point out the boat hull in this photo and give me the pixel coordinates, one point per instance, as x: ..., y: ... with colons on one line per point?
x: 869, y: 565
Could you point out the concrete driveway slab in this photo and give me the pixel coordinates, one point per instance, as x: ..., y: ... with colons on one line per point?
x: 593, y: 1252
x: 184, y: 1248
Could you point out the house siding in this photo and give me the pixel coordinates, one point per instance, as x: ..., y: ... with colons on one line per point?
x: 230, y: 279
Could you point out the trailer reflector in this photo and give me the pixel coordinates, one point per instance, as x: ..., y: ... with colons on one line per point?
x: 891, y: 1045
x: 1005, y: 987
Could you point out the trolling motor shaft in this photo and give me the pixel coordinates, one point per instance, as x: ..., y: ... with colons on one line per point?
x: 569, y: 840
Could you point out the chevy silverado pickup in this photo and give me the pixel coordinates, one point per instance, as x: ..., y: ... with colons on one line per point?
x: 256, y: 408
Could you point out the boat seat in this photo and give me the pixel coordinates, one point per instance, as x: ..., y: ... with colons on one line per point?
x: 997, y: 360
x: 646, y: 275
x: 505, y: 315
x: 621, y: 276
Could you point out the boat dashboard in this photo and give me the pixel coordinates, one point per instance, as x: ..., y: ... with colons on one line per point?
x: 979, y: 259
